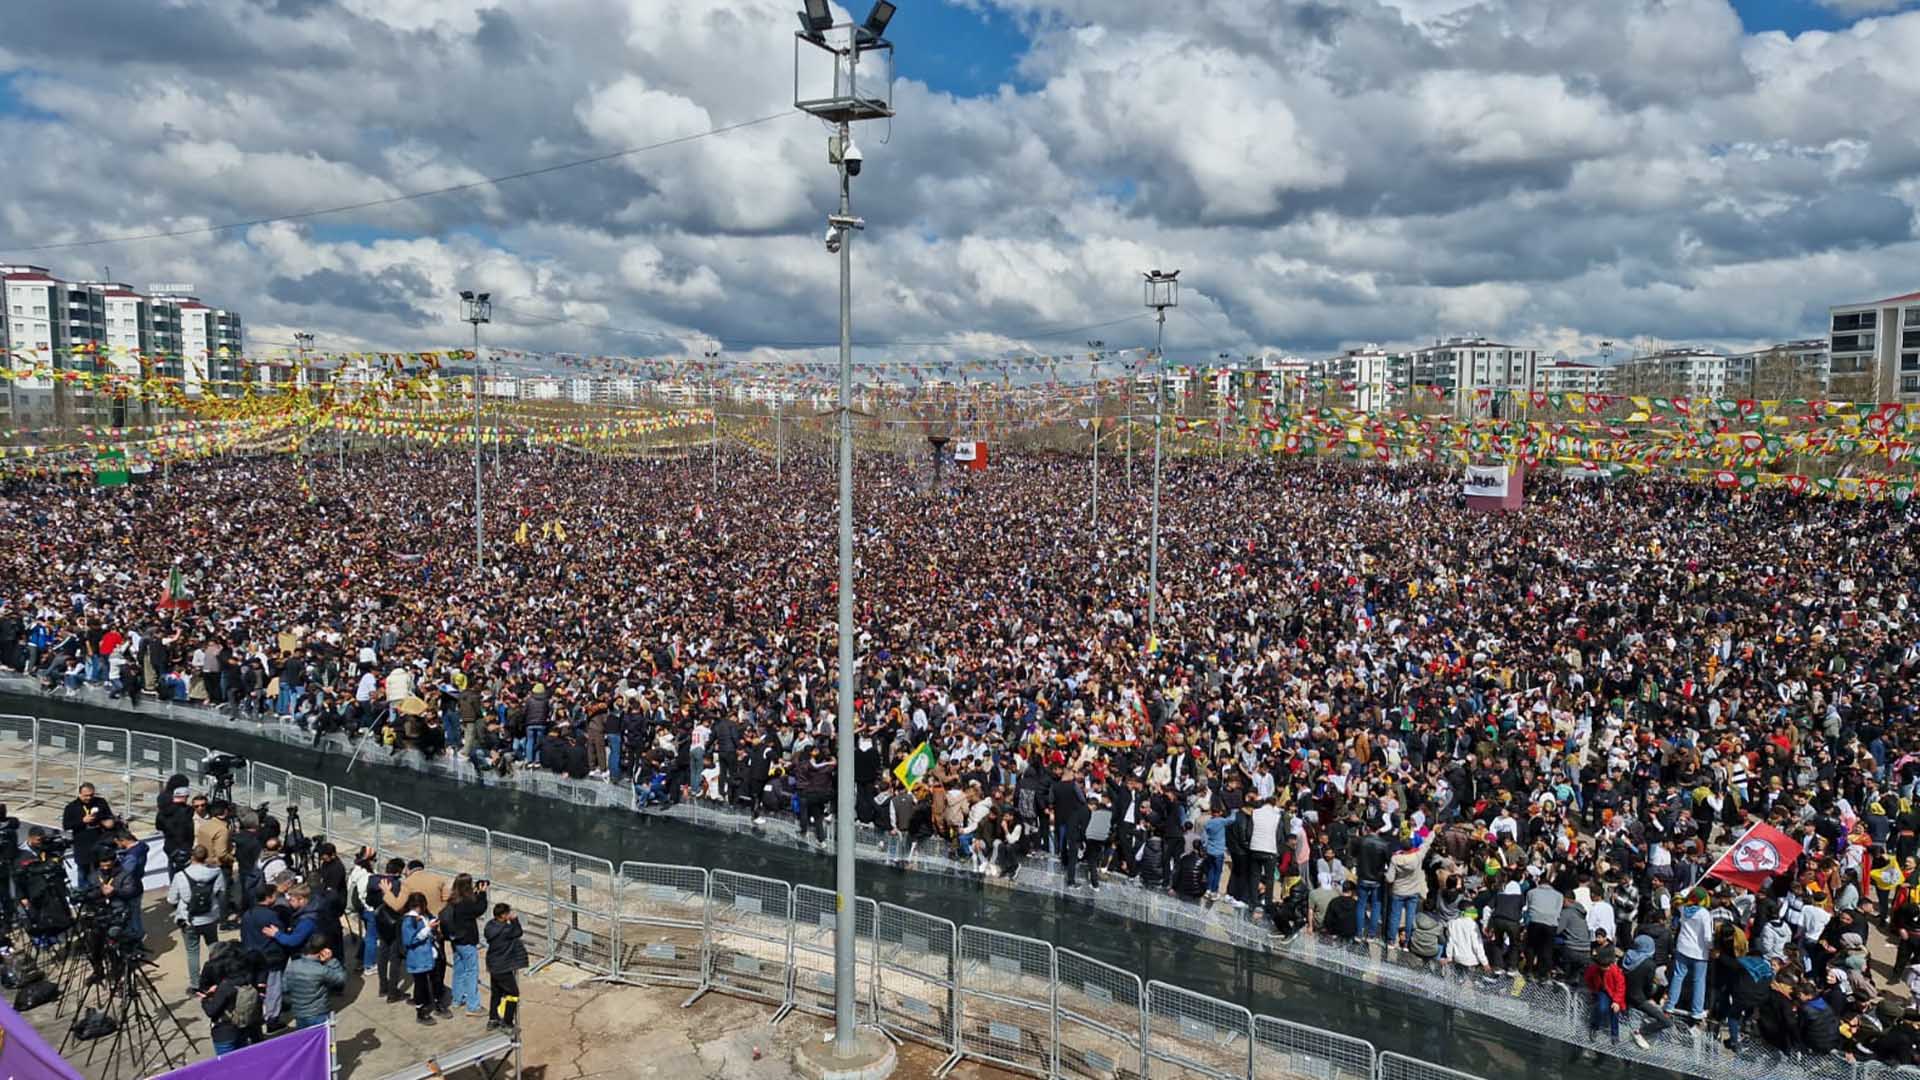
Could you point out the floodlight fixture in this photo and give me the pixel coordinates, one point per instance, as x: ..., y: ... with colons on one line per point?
x: 874, y: 29
x: 466, y: 294
x: 816, y: 20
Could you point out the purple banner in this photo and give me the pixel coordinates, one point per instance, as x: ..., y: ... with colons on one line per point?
x: 24, y: 1055
x: 298, y: 1055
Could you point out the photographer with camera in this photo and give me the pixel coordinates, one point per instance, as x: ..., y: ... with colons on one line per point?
x: 42, y: 883
x: 199, y: 898
x: 89, y: 820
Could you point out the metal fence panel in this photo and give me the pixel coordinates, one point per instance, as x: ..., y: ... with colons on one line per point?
x: 458, y: 848
x: 1192, y: 1035
x: 1284, y: 1048
x: 353, y: 817
x: 1005, y: 985
x: 1394, y: 1066
x: 150, y: 756
x: 103, y: 760
x: 914, y: 979
x: 815, y: 919
x: 403, y: 833
x: 663, y: 924
x: 270, y: 785
x: 310, y: 798
x: 1100, y: 1018
x: 17, y: 749
x: 749, y: 936
x: 583, y: 912
x: 57, y: 759
x: 190, y: 759
x: 523, y: 876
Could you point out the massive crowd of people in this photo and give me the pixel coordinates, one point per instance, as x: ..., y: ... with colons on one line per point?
x: 1508, y: 744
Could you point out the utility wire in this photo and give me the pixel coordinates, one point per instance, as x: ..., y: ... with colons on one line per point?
x: 1042, y: 333
x: 392, y: 199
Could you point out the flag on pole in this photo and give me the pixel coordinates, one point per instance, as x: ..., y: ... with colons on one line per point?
x: 175, y: 594
x: 1761, y: 853
x: 913, y: 771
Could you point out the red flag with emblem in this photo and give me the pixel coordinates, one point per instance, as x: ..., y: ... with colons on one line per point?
x: 1761, y: 853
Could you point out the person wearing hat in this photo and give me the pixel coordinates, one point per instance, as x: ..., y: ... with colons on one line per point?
x: 176, y: 824
x: 1607, y: 985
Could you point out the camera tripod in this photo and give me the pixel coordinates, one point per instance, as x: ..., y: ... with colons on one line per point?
x: 147, y: 1038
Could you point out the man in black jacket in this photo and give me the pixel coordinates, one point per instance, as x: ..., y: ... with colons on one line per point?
x: 1375, y: 855
x: 816, y: 779
x: 175, y: 822
x: 1070, y: 813
x: 89, y: 819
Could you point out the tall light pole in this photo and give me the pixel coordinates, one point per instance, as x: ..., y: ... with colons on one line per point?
x: 1162, y: 292
x: 302, y: 341
x: 1097, y: 346
x: 477, y: 309
x: 713, y: 399
x: 848, y: 102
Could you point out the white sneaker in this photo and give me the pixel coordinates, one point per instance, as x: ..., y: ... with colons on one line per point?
x: 1640, y: 1041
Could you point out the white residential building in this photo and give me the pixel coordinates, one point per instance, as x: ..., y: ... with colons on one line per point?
x: 1463, y: 366
x: 1790, y: 369
x: 1366, y: 378
x: 1682, y: 372
x: 1573, y: 377
x: 1875, y: 350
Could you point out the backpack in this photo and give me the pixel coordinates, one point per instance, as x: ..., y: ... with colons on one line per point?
x: 35, y: 995
x: 23, y: 969
x: 244, y: 1011
x: 200, y: 896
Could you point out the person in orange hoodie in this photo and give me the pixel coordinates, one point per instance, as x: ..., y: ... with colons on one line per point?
x: 1608, y: 986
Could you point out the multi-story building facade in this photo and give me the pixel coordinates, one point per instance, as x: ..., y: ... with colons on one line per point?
x: 1681, y: 372
x: 1366, y: 378
x: 1573, y: 377
x: 1790, y: 369
x: 1874, y: 350
x: 1464, y: 366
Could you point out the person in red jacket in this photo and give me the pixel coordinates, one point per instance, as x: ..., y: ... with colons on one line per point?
x: 1608, y: 985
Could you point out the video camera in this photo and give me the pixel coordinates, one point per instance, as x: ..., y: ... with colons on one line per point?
x: 54, y: 845
x: 220, y: 765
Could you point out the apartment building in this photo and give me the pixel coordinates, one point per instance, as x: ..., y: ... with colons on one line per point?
x: 1573, y: 377
x: 1679, y: 372
x: 1463, y: 366
x: 1874, y: 350
x: 1366, y: 378
x: 105, y: 327
x: 1787, y: 370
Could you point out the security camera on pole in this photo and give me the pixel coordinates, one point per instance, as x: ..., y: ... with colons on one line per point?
x: 853, y: 1052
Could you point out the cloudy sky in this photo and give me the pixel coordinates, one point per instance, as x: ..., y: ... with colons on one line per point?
x: 1326, y: 172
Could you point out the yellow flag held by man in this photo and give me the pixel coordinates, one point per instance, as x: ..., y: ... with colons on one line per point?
x: 914, y: 770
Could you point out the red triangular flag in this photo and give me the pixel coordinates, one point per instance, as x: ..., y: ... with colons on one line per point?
x: 1754, y: 859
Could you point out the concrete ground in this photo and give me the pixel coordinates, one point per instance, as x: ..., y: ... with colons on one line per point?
x: 571, y: 1030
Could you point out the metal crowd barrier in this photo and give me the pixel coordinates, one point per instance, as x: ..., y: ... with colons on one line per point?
x: 970, y: 991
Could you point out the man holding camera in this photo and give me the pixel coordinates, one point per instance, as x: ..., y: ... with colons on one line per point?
x: 89, y: 820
